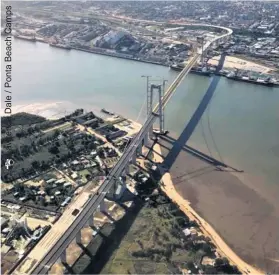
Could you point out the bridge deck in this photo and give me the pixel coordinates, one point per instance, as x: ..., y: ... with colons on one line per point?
x: 52, y: 255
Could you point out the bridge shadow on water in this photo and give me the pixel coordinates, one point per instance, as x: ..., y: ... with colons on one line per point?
x: 192, y: 124
x: 174, y: 146
x: 167, y: 143
x: 102, y: 247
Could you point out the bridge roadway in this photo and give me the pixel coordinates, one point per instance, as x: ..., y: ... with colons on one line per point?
x: 91, y: 206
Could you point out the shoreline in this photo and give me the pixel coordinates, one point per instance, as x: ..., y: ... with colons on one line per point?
x: 100, y: 51
x: 243, y: 211
x: 206, y: 228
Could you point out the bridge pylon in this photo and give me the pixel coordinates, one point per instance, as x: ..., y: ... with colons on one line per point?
x: 161, y: 111
x: 200, y: 40
x: 150, y: 89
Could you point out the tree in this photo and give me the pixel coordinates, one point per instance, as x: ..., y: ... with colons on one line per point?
x: 221, y: 262
x: 71, y: 146
x: 20, y: 134
x: 206, y: 248
x: 209, y: 269
x: 56, y: 133
x: 25, y: 150
x: 157, y: 258
x: 53, y: 150
x: 30, y: 130
x: 226, y: 261
x: 19, y: 187
x: 44, y: 165
x: 35, y: 164
x: 48, y: 189
x: 223, y: 265
x: 43, y: 202
x: 168, y: 252
x: 40, y: 142
x: 190, y: 265
x: 7, y: 139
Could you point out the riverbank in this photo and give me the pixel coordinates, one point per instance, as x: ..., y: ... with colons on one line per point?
x: 231, y: 62
x: 206, y: 228
x: 98, y: 51
x: 244, y: 216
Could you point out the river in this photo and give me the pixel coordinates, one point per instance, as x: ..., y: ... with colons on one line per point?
x: 243, y: 118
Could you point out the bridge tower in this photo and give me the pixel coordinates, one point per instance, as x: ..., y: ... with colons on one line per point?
x: 200, y: 39
x: 150, y: 92
x: 150, y: 87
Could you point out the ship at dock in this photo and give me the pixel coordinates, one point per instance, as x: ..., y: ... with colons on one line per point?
x: 53, y: 42
x: 61, y: 46
x: 196, y: 70
x: 233, y: 75
x: 267, y: 81
x: 27, y: 38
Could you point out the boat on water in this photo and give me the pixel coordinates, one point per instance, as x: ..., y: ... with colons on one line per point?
x: 258, y: 81
x: 107, y: 112
x: 199, y: 71
x: 61, y: 46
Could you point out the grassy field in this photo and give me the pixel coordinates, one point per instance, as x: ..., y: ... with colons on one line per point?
x: 154, y: 243
x: 83, y: 174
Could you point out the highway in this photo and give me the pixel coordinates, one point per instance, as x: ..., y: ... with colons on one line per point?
x: 91, y: 206
x: 52, y: 256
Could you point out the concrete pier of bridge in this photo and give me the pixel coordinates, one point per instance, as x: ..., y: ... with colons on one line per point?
x: 139, y: 150
x: 127, y: 169
x: 102, y: 206
x: 145, y: 141
x: 91, y: 221
x: 63, y: 257
x: 78, y: 237
x: 134, y: 158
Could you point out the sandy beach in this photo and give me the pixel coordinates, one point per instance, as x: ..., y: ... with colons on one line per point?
x: 247, y: 222
x: 206, y: 228
x: 50, y: 109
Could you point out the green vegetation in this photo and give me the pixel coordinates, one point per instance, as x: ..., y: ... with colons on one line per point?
x: 33, y: 150
x: 149, y: 239
x: 21, y: 119
x: 85, y: 175
x: 155, y: 243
